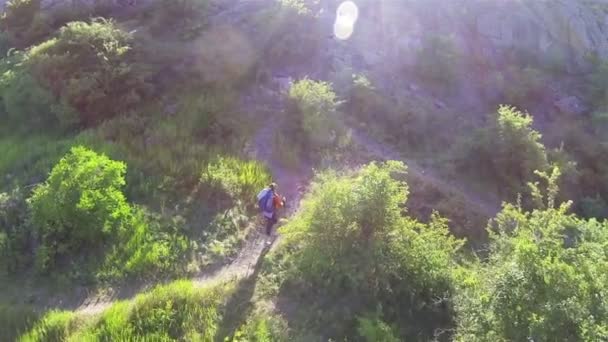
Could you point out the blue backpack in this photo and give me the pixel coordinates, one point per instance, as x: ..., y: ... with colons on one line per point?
x: 265, y: 200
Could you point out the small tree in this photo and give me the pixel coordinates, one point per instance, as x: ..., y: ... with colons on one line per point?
x: 353, y: 240
x: 507, y: 152
x: 544, y: 280
x: 80, y: 207
x: 312, y: 124
x: 89, y: 70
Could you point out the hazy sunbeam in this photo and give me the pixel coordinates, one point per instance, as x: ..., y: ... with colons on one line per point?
x: 346, y: 18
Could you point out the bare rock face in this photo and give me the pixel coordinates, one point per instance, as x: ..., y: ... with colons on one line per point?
x: 552, y: 31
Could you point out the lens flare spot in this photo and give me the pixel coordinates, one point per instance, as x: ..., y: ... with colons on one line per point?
x: 346, y: 18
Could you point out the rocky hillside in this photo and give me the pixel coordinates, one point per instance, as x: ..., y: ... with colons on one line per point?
x: 551, y: 31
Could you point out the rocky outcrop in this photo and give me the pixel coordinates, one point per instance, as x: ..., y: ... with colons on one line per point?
x: 560, y: 32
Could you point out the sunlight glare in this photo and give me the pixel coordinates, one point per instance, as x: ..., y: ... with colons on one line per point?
x: 346, y: 17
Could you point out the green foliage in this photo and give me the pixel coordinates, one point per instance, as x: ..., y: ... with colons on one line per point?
x: 81, y: 211
x: 363, y: 99
x: 313, y: 118
x: 177, y: 311
x: 15, y: 232
x: 543, y: 280
x: 373, y: 329
x: 54, y: 326
x: 291, y: 33
x: 15, y: 320
x: 152, y: 246
x: 262, y: 327
x: 351, y: 239
x: 80, y: 205
x: 24, y: 23
x: 507, y: 152
x: 88, y: 68
x: 26, y: 103
x: 241, y: 180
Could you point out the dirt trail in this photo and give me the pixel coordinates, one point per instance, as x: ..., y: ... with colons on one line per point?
x: 241, y: 267
x: 290, y: 185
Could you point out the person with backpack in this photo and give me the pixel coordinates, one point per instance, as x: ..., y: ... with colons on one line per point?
x: 269, y: 201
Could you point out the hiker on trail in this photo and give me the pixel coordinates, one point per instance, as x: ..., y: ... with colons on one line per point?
x: 269, y: 202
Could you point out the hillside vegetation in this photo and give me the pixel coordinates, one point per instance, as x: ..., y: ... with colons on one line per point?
x: 134, y: 138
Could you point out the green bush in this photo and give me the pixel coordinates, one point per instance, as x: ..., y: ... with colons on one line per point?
x: 89, y: 69
x: 24, y: 23
x: 543, y: 279
x: 25, y: 102
x: 313, y: 118
x: 351, y: 240
x: 290, y: 33
x: 80, y: 207
x: 364, y: 101
x: 506, y: 152
x: 373, y: 329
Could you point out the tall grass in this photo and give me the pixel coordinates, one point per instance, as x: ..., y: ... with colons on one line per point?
x: 240, y: 179
x: 14, y: 320
x: 26, y: 159
x: 55, y: 326
x: 177, y: 311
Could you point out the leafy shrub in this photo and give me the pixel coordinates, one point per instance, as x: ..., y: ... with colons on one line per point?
x: 372, y: 329
x: 291, y: 33
x: 543, y: 280
x: 80, y: 206
x: 351, y: 239
x: 88, y: 68
x: 506, y: 152
x: 24, y: 23
x: 25, y: 101
x: 363, y: 99
x: 312, y: 121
